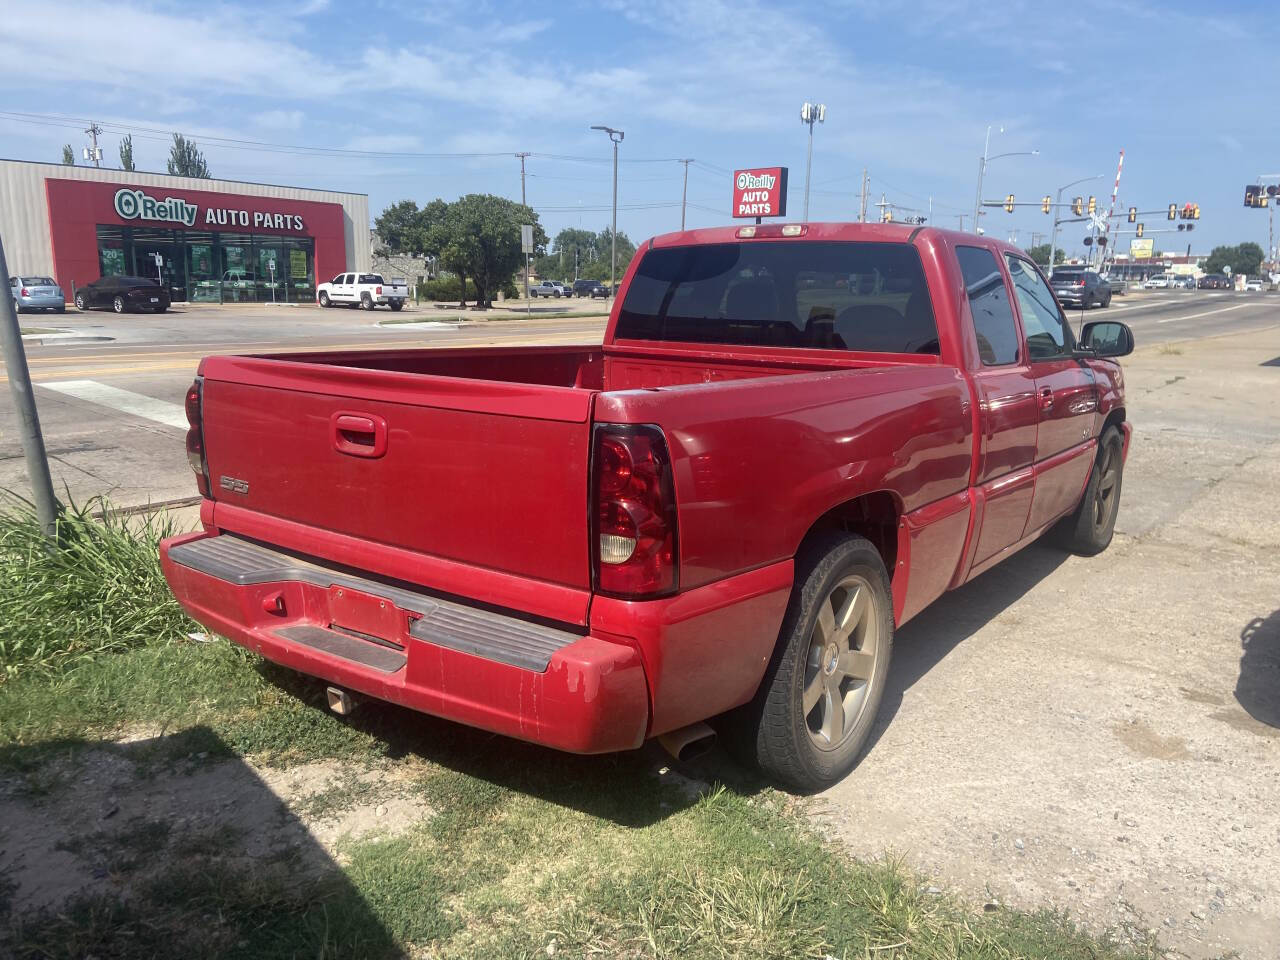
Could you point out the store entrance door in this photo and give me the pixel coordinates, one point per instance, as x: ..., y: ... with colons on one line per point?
x: 172, y: 269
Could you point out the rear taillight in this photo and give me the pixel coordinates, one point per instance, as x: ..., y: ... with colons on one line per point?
x: 1079, y: 283
x: 379, y: 291
x: 24, y: 292
x: 195, y: 435
x: 633, y: 528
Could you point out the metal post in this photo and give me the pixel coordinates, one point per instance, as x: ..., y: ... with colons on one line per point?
x: 15, y: 364
x: 523, y: 202
x: 977, y: 203
x: 862, y: 206
x: 613, y: 239
x: 808, y: 166
x: 1053, y: 240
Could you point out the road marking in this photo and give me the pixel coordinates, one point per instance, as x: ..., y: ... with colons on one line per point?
x: 1207, y: 313
x: 126, y: 401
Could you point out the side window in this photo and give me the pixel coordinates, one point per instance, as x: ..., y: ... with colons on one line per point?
x: 1048, y: 335
x: 989, y: 304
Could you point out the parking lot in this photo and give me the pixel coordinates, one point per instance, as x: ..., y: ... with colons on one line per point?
x: 1097, y: 735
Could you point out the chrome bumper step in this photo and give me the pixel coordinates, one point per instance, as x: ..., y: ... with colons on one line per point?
x: 443, y: 623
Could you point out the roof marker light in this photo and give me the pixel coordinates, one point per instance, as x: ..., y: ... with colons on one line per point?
x: 746, y: 233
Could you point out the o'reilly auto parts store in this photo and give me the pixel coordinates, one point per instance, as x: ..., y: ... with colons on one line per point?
x: 217, y: 240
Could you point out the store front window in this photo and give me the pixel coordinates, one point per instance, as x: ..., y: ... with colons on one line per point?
x: 213, y: 267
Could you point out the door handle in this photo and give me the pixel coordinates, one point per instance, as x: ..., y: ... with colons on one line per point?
x: 1046, y: 398
x: 358, y: 434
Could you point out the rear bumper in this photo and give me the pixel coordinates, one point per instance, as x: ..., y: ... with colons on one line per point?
x: 591, y: 697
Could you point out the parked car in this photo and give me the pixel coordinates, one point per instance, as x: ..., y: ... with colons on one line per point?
x: 589, y: 288
x: 1118, y: 285
x: 1158, y: 282
x: 37, y: 293
x: 363, y: 290
x: 1184, y: 282
x: 1215, y: 281
x: 725, y: 509
x: 1253, y: 285
x: 548, y: 288
x: 123, y: 294
x: 1080, y: 288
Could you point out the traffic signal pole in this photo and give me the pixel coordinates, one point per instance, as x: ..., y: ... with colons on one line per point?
x: 24, y: 399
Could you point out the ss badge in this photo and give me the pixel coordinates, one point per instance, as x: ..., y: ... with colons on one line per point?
x: 234, y: 485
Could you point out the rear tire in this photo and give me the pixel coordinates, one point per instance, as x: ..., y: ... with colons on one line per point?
x: 1089, y: 528
x: 397, y: 305
x: 366, y: 302
x: 833, y: 654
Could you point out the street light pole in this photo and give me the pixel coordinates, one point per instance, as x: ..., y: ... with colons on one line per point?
x: 810, y: 114
x: 684, y: 192
x: 982, y: 171
x: 615, y: 137
x: 1053, y: 242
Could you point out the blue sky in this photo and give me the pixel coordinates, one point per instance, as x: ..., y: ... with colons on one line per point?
x: 910, y: 89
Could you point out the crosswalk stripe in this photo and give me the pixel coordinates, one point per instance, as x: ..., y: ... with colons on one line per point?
x: 126, y: 401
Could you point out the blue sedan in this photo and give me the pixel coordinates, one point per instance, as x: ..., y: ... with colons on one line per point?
x: 37, y: 293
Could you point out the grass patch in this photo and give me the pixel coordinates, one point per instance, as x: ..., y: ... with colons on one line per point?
x: 99, y: 591
x: 35, y: 331
x: 526, y: 848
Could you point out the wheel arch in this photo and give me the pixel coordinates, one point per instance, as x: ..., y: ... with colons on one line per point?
x: 875, y: 516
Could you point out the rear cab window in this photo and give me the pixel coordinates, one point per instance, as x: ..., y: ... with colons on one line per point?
x: 856, y: 296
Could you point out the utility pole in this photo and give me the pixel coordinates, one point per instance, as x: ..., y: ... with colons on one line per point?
x: 24, y: 399
x: 615, y: 137
x: 862, y: 207
x: 684, y: 193
x: 94, y: 153
x: 960, y: 217
x: 520, y: 157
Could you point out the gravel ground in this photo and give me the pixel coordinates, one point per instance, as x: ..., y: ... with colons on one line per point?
x: 1103, y: 735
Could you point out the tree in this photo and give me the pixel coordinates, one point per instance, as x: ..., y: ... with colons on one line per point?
x: 1245, y: 258
x: 68, y: 155
x: 126, y: 152
x: 479, y: 237
x: 1040, y: 254
x: 400, y: 228
x: 185, y: 160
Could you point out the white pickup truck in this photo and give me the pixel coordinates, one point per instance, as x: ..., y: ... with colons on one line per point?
x: 363, y: 290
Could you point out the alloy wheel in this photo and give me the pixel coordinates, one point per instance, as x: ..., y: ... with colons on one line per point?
x: 843, y: 650
x: 1104, y: 499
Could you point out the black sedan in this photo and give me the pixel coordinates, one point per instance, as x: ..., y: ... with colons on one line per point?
x: 123, y: 294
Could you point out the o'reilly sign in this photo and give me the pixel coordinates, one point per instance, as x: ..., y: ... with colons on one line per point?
x: 133, y: 204
x: 136, y: 205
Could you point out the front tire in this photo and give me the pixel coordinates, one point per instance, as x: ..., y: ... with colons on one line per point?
x: 820, y: 695
x: 324, y: 300
x: 1089, y: 529
x: 81, y: 303
x: 118, y: 304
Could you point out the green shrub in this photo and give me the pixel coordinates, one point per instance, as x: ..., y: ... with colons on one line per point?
x: 445, y: 288
x: 100, y: 589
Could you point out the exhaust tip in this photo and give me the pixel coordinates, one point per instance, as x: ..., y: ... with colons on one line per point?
x: 340, y: 702
x: 689, y: 743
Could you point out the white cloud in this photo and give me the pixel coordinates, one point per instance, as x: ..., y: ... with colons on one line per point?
x: 279, y: 119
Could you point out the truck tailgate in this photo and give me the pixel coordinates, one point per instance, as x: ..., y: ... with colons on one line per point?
x: 480, y: 472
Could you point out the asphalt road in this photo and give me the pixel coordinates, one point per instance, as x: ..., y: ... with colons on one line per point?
x: 110, y: 396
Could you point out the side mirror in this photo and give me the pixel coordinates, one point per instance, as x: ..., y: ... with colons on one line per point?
x: 1107, y: 338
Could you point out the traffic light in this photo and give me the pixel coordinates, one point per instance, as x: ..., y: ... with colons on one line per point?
x: 1133, y: 214
x: 1093, y: 206
x: 1251, y: 195
x: 1008, y: 204
x: 1187, y: 210
x: 1195, y: 211
x: 888, y: 216
x: 1173, y: 211
x: 1141, y: 227
x: 1045, y: 203
x: 1077, y: 206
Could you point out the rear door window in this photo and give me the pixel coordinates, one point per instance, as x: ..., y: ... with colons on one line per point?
x: 989, y: 304
x: 828, y: 296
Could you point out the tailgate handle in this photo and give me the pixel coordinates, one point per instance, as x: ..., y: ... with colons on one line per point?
x: 358, y: 434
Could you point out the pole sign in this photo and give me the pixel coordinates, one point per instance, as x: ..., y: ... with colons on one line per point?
x: 760, y: 192
x: 1141, y: 249
x: 526, y: 238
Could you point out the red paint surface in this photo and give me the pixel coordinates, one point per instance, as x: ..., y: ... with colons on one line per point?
x: 77, y: 207
x: 482, y: 490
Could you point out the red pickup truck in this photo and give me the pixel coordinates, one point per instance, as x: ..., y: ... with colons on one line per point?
x: 793, y: 438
